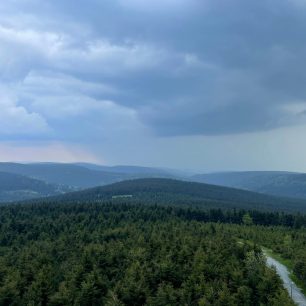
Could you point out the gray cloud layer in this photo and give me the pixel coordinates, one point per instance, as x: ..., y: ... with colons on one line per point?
x: 175, y: 68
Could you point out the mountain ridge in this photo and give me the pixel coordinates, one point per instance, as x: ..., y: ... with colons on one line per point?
x: 15, y: 187
x: 178, y: 192
x: 279, y: 183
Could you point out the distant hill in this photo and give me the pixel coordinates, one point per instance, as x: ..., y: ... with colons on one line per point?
x: 175, y: 192
x: 124, y: 169
x: 138, y: 171
x: 64, y: 174
x: 287, y: 184
x: 82, y: 175
x: 14, y: 187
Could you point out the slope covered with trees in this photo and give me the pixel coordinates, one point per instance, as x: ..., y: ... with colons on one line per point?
x: 182, y: 193
x: 63, y: 174
x: 15, y: 187
x: 81, y: 175
x: 124, y: 254
x: 286, y: 184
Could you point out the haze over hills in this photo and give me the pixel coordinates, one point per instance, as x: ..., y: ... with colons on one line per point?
x: 148, y: 171
x: 278, y: 183
x: 64, y: 174
x: 85, y: 175
x: 287, y: 184
x: 78, y: 176
x: 68, y: 177
x: 175, y: 192
x: 15, y: 187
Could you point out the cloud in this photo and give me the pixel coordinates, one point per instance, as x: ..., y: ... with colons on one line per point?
x: 157, y: 5
x: 119, y: 71
x: 34, y: 49
x: 77, y: 110
x: 17, y: 120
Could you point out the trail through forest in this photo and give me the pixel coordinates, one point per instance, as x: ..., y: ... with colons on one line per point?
x: 296, y: 293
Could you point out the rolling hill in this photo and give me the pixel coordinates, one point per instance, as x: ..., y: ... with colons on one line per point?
x: 285, y: 184
x: 132, y: 170
x: 14, y: 187
x: 63, y: 174
x: 69, y: 177
x: 175, y: 192
x: 82, y: 175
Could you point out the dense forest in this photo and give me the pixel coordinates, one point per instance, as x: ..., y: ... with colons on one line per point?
x: 289, y: 243
x: 114, y: 253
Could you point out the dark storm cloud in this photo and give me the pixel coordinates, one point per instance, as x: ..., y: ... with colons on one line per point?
x: 178, y: 67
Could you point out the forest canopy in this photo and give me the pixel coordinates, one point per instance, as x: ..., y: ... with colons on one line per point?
x: 125, y: 254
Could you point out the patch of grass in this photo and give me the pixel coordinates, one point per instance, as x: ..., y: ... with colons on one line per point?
x: 276, y: 256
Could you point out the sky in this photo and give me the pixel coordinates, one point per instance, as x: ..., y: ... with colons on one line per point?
x: 190, y: 84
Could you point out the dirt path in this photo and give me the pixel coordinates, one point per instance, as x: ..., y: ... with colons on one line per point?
x: 297, y: 295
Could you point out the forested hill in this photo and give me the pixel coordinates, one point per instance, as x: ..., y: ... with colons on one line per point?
x: 63, y: 174
x: 80, y: 175
x: 284, y: 184
x: 175, y: 192
x: 14, y: 187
